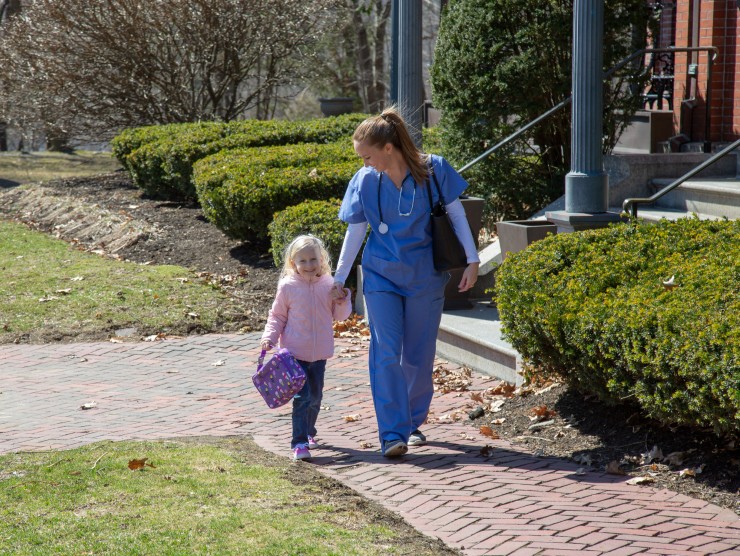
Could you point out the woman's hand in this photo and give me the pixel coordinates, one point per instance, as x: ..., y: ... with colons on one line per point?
x: 469, y: 277
x: 266, y: 344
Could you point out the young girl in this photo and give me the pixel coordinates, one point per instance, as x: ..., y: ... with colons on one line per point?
x: 301, y: 318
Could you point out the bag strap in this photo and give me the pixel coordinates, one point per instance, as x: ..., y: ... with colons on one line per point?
x: 436, y: 185
x: 261, y: 360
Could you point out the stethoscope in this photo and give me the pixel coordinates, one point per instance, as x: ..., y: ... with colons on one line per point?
x: 383, y: 227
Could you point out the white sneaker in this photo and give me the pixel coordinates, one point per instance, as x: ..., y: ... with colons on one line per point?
x: 312, y: 444
x: 417, y: 438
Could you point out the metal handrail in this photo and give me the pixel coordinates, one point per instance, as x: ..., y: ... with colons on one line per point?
x: 630, y: 205
x: 608, y: 74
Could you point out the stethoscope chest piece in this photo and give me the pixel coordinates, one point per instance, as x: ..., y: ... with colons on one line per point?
x: 383, y: 228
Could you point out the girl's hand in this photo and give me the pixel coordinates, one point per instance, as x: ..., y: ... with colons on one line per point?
x: 469, y: 277
x: 266, y: 345
x: 337, y: 291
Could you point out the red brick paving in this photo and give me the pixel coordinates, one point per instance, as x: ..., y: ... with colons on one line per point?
x: 510, y: 503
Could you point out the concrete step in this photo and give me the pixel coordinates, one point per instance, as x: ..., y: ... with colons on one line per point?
x: 472, y: 337
x: 718, y: 197
x: 651, y: 213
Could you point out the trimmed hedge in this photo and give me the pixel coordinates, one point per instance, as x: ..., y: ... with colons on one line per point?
x: 319, y: 218
x: 592, y: 308
x: 240, y: 190
x: 163, y: 165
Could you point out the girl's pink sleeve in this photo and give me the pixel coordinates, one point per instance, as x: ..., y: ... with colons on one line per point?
x: 342, y: 307
x: 277, y: 317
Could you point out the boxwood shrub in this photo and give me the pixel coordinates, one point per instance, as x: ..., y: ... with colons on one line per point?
x: 592, y: 308
x: 131, y: 139
x: 319, y: 218
x: 163, y: 166
x: 240, y: 190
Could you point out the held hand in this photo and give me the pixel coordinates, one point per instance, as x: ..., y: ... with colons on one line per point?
x: 266, y: 345
x: 338, y: 291
x: 469, y: 277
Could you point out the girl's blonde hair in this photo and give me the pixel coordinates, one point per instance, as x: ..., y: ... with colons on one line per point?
x: 389, y: 127
x: 301, y: 242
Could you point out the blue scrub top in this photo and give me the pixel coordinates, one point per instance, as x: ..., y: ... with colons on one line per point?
x: 400, y: 260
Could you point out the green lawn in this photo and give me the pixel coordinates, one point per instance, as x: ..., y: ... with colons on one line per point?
x: 43, y: 166
x: 50, y: 289
x: 197, y: 499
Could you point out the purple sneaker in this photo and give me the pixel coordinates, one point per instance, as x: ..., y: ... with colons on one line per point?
x: 301, y: 452
x: 312, y: 444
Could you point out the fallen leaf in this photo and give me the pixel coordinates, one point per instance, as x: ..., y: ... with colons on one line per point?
x: 115, y: 340
x: 351, y: 418
x: 613, y: 468
x: 687, y: 473
x: 486, y: 451
x: 89, y: 405
x: 496, y: 406
x: 365, y: 445
x: 489, y: 432
x: 640, y: 480
x: 65, y: 291
x: 476, y: 397
x: 219, y: 363
x: 541, y: 412
x: 503, y: 389
x: 499, y: 421
x: 135, y: 464
x: 47, y: 298
x: 194, y: 315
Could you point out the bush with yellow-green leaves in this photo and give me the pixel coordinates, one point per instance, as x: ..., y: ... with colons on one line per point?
x: 160, y: 159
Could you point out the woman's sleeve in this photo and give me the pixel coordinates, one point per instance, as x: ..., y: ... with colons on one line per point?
x: 450, y: 182
x: 456, y: 212
x: 351, y: 210
x: 277, y: 318
x: 352, y: 242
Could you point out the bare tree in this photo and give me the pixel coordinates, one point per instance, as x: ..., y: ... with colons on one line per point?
x: 8, y: 8
x: 95, y: 66
x: 370, y: 20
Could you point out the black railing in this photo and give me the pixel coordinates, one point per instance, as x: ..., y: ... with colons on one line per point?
x: 630, y: 205
x: 711, y: 57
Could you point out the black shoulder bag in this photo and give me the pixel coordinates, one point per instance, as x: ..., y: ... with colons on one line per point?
x: 448, y: 252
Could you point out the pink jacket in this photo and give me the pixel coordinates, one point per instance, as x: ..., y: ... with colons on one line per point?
x: 302, y: 316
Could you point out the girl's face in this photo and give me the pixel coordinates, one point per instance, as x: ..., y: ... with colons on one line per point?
x: 376, y: 157
x: 306, y: 262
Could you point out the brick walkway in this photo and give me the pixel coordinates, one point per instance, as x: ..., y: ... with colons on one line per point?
x: 509, y: 503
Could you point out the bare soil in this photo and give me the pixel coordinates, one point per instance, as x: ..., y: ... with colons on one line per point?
x: 108, y: 215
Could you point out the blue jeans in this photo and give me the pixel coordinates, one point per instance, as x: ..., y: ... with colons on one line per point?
x: 307, y: 402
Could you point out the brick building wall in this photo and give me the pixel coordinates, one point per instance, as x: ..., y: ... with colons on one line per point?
x: 708, y: 23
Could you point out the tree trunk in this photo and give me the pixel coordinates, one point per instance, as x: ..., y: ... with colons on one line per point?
x: 3, y: 136
x: 379, y: 86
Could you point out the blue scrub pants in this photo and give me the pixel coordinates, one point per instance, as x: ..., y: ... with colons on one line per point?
x: 402, y: 348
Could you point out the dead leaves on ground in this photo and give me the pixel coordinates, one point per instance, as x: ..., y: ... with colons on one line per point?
x: 485, y: 430
x: 354, y: 327
x: 139, y: 464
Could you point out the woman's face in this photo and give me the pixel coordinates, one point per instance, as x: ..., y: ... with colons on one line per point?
x: 374, y: 156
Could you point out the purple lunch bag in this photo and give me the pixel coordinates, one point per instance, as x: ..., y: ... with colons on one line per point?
x: 279, y: 379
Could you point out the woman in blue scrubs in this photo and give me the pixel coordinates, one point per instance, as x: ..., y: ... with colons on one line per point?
x: 403, y: 292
